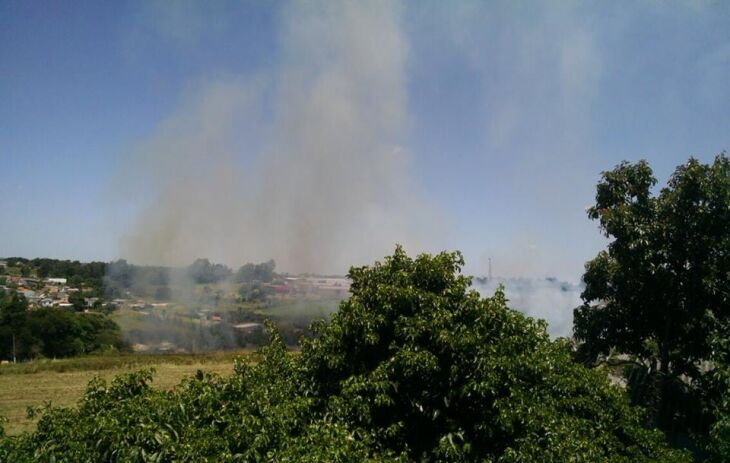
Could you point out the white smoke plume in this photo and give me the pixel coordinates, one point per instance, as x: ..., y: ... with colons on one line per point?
x: 305, y: 164
x: 546, y: 298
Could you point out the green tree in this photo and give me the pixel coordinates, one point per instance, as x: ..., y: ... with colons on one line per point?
x: 78, y: 301
x: 15, y: 340
x: 718, y: 444
x: 424, y: 363
x: 661, y: 287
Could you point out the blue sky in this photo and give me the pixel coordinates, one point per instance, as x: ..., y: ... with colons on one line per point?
x: 509, y: 113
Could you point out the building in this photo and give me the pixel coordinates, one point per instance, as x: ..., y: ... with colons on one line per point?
x: 56, y: 281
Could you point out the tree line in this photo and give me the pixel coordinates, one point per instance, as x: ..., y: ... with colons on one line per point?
x: 115, y: 279
x: 52, y: 333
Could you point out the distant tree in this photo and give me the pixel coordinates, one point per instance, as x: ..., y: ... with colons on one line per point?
x: 252, y: 292
x: 120, y: 273
x: 263, y: 272
x: 661, y: 287
x: 13, y: 309
x: 15, y: 339
x: 108, y: 308
x: 203, y: 272
x: 25, y: 271
x: 78, y: 301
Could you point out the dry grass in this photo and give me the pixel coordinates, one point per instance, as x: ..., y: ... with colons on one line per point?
x: 34, y: 386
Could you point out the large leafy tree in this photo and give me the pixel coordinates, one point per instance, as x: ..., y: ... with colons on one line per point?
x: 663, y: 284
x: 415, y: 366
x: 423, y: 363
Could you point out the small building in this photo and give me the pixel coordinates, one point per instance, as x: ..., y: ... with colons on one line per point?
x: 56, y: 281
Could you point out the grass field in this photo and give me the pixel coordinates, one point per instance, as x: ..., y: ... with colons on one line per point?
x: 63, y: 381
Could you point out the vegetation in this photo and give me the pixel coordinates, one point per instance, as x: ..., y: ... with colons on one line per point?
x: 718, y: 443
x: 52, y: 332
x: 62, y: 382
x: 414, y: 366
x: 116, y: 279
x: 660, y: 292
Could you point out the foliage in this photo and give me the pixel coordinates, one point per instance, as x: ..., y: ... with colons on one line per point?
x: 263, y: 272
x: 121, y: 277
x: 202, y: 271
x: 415, y: 366
x: 252, y: 292
x: 52, y: 332
x: 718, y: 442
x: 662, y: 285
x: 77, y: 300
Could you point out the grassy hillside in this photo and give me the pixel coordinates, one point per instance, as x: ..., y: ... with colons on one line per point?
x: 62, y: 382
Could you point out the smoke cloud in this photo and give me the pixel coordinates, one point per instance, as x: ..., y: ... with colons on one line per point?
x: 305, y: 164
x: 547, y: 298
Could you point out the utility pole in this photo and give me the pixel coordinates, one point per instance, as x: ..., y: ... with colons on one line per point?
x: 14, y: 360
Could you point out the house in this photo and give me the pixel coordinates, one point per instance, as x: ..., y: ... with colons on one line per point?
x: 56, y: 281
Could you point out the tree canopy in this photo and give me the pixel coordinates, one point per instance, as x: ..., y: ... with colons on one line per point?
x: 661, y: 290
x: 415, y: 366
x: 52, y: 332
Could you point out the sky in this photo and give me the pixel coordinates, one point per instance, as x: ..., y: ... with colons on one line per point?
x: 322, y: 133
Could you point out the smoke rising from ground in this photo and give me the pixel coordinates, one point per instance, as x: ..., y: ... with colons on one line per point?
x: 547, y: 299
x: 305, y: 165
